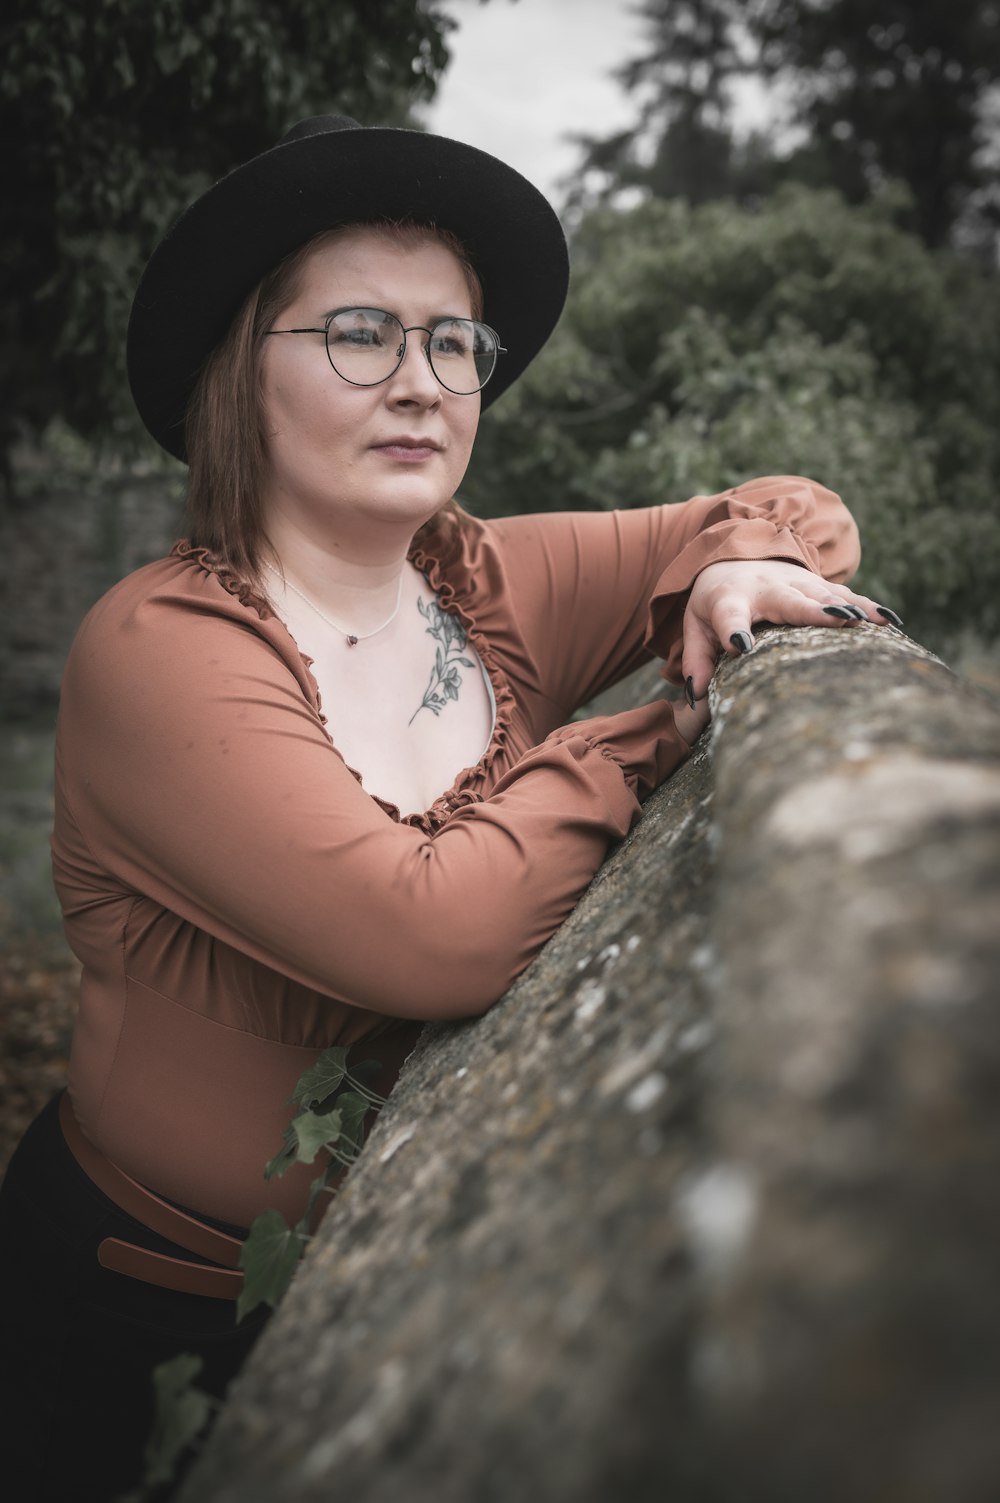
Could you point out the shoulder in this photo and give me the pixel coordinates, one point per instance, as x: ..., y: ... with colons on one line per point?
x: 175, y: 617
x: 174, y: 593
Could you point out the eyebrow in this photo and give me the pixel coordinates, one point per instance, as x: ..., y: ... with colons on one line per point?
x: 439, y: 318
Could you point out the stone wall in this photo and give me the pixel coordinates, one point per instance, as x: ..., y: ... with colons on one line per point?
x: 706, y: 1207
x: 66, y: 537
x: 68, y: 532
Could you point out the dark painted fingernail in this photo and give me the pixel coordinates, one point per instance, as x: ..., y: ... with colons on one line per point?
x: 840, y: 611
x: 742, y: 641
x: 889, y: 615
x: 689, y: 690
x: 857, y: 612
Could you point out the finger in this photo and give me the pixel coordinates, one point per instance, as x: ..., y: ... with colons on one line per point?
x: 813, y: 604
x: 863, y: 607
x: 881, y: 615
x: 692, y: 720
x: 733, y: 616
x: 701, y: 650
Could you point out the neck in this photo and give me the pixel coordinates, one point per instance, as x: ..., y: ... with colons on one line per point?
x: 356, y: 585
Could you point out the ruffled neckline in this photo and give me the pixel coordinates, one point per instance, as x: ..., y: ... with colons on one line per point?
x: 452, y: 576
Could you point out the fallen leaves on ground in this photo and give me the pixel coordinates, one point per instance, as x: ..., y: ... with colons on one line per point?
x: 38, y: 989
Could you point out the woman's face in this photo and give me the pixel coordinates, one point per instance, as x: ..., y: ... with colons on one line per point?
x: 361, y: 458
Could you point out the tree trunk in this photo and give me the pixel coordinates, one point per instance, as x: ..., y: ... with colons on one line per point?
x: 707, y: 1208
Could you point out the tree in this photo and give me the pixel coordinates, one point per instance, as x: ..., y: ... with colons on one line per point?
x: 893, y: 90
x: 878, y: 92
x: 704, y: 345
x: 115, y: 115
x: 682, y: 143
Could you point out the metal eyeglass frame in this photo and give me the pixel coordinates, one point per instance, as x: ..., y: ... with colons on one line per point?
x: 413, y: 328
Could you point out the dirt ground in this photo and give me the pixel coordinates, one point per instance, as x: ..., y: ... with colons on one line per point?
x: 38, y: 982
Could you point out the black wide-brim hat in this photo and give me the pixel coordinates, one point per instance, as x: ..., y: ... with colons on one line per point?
x: 330, y: 171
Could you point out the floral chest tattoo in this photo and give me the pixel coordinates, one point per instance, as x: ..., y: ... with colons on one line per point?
x: 445, y: 680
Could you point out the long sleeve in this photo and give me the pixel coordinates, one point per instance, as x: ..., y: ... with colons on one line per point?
x: 237, y: 899
x: 595, y: 594
x: 199, y: 777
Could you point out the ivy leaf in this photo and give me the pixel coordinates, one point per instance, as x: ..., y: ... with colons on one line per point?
x: 269, y: 1257
x: 353, y: 1109
x: 314, y: 1131
x: 182, y: 1412
x: 322, y: 1078
x: 286, y: 1156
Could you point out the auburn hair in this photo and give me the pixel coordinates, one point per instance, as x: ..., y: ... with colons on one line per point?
x: 224, y: 423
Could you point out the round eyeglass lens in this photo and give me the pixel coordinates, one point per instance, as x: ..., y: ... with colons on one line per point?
x: 462, y: 353
x: 365, y: 345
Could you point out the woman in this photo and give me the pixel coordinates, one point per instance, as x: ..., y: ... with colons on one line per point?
x: 317, y: 778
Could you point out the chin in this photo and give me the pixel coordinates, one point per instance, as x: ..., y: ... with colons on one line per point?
x: 413, y: 504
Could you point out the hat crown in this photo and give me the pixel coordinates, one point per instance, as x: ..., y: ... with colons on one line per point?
x: 318, y: 125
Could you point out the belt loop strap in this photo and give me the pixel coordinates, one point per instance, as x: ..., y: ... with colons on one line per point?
x: 149, y: 1209
x: 169, y: 1273
x: 158, y: 1216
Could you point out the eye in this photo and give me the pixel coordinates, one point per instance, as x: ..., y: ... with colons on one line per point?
x: 358, y: 337
x: 452, y: 339
x: 361, y: 329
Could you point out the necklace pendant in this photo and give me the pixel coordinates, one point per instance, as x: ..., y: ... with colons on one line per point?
x: 352, y: 641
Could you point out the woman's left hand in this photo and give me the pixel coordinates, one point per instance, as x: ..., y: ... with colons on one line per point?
x: 727, y: 598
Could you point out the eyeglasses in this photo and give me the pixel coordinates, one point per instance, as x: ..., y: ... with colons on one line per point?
x: 366, y: 346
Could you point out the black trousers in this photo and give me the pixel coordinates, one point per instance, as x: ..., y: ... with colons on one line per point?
x: 78, y: 1342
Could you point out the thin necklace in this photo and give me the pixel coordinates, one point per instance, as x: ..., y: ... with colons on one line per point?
x: 352, y: 638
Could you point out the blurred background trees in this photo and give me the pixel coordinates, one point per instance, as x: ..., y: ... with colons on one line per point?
x: 704, y: 344
x: 820, y: 298
x: 820, y: 295
x: 114, y: 115
x: 871, y: 93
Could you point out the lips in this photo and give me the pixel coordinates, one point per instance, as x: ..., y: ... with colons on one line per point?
x: 408, y: 449
x: 408, y: 441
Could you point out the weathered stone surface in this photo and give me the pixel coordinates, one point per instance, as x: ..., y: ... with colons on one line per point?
x: 706, y: 1208
x: 64, y: 543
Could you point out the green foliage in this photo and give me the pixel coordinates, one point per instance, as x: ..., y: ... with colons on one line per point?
x: 272, y: 1250
x: 703, y: 346
x: 331, y: 1121
x: 321, y: 1079
x: 181, y: 1414
x: 115, y: 115
x: 269, y: 1258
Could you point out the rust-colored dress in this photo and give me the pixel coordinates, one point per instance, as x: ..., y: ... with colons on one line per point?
x: 238, y: 900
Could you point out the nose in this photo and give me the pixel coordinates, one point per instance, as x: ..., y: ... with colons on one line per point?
x: 413, y: 380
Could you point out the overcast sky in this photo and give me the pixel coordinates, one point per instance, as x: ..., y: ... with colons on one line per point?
x: 525, y: 73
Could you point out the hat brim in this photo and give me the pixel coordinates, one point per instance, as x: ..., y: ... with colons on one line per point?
x: 220, y: 248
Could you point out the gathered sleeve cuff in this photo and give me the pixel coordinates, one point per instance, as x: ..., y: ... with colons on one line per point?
x: 783, y: 517
x: 593, y: 595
